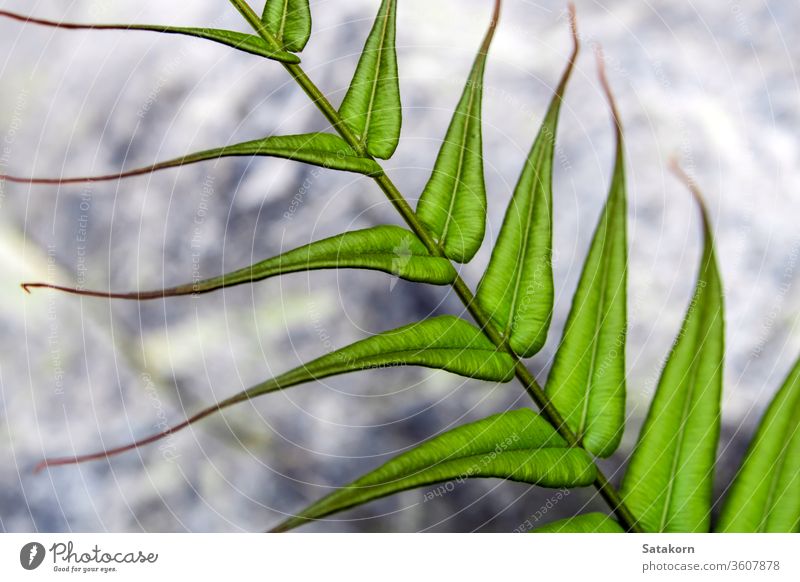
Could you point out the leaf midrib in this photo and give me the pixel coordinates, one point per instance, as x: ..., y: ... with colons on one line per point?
x: 461, y: 157
x: 361, y: 490
x: 524, y: 246
x: 458, y: 459
x: 263, y: 145
x: 322, y: 260
x: 684, y: 413
x: 428, y: 349
x: 282, y: 27
x: 604, y: 261
x: 373, y: 94
x: 356, y: 362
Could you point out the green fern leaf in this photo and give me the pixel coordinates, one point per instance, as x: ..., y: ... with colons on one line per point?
x: 319, y: 149
x: 390, y: 249
x: 765, y: 496
x: 587, y: 380
x: 518, y: 445
x: 453, y: 204
x: 371, y: 107
x: 447, y: 343
x: 289, y: 21
x: 248, y: 43
x: 669, y: 482
x: 517, y: 289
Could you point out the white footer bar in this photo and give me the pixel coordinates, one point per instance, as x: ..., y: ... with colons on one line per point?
x: 389, y: 557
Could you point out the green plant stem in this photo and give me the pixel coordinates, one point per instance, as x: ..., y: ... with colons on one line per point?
x: 465, y: 294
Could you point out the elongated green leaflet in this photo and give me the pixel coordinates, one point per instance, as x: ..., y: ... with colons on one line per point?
x: 518, y: 445
x: 587, y: 523
x: 765, y: 496
x: 446, y: 343
x: 587, y: 380
x: 289, y: 21
x: 668, y: 484
x: 248, y: 43
x: 391, y: 249
x: 453, y: 204
x: 371, y: 107
x: 517, y: 289
x: 320, y: 149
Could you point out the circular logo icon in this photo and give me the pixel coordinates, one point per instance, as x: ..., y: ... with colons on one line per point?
x: 31, y: 555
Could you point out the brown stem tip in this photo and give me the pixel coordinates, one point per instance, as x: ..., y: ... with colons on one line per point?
x: 60, y: 461
x: 133, y: 295
x: 87, y: 179
x: 606, y: 86
x: 573, y: 26
x: 687, y: 180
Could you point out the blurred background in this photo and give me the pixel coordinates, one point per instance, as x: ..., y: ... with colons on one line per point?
x: 712, y: 82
